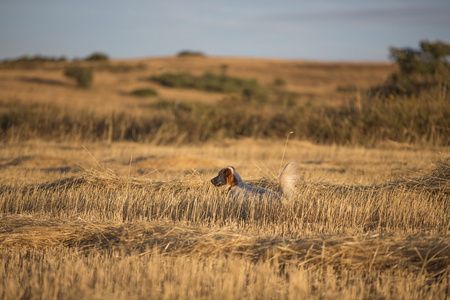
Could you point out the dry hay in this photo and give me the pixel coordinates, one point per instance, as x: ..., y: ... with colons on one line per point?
x: 419, y: 252
x: 438, y: 180
x: 105, y: 178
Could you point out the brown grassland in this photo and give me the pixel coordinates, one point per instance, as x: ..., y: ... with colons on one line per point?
x: 95, y: 205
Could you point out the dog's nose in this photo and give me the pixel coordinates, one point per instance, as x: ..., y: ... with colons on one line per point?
x: 215, y: 181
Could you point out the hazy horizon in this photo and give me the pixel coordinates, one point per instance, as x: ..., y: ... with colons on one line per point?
x: 318, y: 31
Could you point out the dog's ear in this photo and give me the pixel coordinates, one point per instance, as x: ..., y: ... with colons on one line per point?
x: 227, y: 172
x: 228, y: 175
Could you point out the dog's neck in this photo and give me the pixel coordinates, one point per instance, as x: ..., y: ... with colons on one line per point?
x: 237, y: 179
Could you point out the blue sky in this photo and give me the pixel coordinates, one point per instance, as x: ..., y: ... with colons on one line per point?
x: 312, y: 30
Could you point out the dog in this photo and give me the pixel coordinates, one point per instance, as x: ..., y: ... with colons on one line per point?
x: 238, y: 189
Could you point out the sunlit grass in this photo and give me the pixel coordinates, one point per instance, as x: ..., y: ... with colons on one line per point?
x: 107, y: 195
x: 106, y: 231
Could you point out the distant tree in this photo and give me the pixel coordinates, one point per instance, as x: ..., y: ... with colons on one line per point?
x: 190, y: 53
x: 82, y: 75
x: 97, y: 56
x: 420, y: 69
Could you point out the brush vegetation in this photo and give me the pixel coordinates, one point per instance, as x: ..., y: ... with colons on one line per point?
x: 106, y: 195
x: 144, y: 93
x: 82, y: 75
x: 419, y: 69
x: 245, y: 108
x: 165, y: 121
x: 248, y: 89
x: 190, y: 53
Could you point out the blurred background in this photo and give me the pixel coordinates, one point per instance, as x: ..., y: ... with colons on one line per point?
x: 175, y: 72
x: 312, y: 30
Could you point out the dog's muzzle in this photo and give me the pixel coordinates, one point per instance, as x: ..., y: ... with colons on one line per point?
x: 216, y: 182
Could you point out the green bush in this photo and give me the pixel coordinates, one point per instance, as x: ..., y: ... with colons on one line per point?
x: 420, y: 70
x: 249, y: 89
x: 185, y: 53
x: 98, y: 56
x: 175, y: 80
x: 279, y: 82
x: 37, y: 58
x: 34, y: 62
x: 82, y: 75
x: 144, y: 93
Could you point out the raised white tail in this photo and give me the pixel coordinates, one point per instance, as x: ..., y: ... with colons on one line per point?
x: 288, y: 179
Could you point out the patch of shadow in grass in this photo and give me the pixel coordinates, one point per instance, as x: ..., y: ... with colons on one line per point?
x: 144, y: 93
x: 43, y: 81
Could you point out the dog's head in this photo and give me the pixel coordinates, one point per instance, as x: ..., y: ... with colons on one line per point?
x: 226, y: 176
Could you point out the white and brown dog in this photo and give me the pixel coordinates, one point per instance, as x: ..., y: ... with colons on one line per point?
x: 240, y: 190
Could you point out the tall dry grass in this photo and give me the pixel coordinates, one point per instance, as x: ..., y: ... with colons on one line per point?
x: 85, y: 213
x: 129, y: 237
x: 60, y: 259
x: 167, y: 122
x: 64, y: 273
x: 405, y: 206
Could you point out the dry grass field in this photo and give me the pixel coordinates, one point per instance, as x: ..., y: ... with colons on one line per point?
x: 114, y: 218
x: 46, y: 84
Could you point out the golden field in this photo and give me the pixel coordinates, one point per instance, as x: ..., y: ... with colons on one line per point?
x: 116, y: 218
x: 314, y: 80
